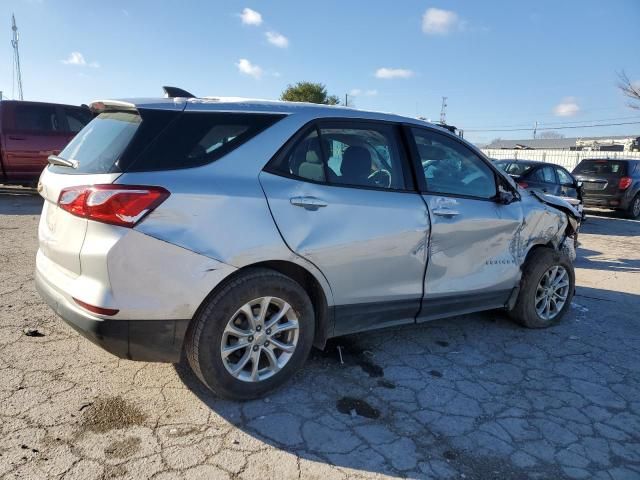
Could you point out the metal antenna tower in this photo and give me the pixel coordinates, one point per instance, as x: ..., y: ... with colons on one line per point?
x: 443, y: 111
x: 16, y: 55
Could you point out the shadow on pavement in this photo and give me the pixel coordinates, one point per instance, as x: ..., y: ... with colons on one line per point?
x: 610, y: 223
x: 476, y: 395
x: 19, y: 201
x: 590, y: 259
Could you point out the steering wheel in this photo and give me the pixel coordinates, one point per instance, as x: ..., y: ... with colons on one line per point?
x: 381, y: 178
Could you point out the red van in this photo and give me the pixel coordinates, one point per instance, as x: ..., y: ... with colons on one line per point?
x: 30, y: 132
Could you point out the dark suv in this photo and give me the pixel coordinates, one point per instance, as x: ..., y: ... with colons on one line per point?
x: 30, y: 132
x: 613, y: 184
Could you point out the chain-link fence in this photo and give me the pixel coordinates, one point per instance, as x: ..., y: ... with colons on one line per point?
x: 567, y: 158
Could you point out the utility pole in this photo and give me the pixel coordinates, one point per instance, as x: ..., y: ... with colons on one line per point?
x: 535, y: 129
x: 346, y: 99
x: 16, y: 55
x: 443, y: 111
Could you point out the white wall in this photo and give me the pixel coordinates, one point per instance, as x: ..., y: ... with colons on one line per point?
x: 568, y: 159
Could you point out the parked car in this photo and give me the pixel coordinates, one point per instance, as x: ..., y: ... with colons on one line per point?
x: 546, y: 177
x: 30, y: 132
x: 612, y: 184
x: 242, y: 232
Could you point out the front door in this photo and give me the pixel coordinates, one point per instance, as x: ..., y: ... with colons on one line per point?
x: 471, y: 266
x: 341, y: 198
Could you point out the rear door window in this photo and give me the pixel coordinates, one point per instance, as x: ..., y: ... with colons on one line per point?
x: 100, y: 144
x: 36, y: 119
x: 544, y: 175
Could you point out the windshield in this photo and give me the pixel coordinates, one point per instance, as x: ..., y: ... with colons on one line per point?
x: 602, y: 167
x: 99, y: 145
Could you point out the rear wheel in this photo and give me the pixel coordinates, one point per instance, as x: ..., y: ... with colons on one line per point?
x: 634, y: 208
x: 252, y: 335
x: 546, y: 289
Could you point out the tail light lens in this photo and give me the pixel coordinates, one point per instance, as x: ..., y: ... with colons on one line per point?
x: 624, y: 183
x: 123, y: 205
x: 523, y: 184
x: 93, y: 309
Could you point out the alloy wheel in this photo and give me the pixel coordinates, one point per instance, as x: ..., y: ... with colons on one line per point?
x: 552, y: 292
x: 259, y: 339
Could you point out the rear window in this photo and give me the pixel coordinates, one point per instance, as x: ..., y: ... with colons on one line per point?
x: 602, y: 167
x: 198, y: 138
x: 36, y: 118
x: 99, y: 145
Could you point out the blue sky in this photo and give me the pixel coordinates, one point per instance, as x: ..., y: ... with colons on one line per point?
x: 501, y: 64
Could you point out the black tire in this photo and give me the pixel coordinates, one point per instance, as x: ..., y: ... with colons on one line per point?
x: 537, y: 264
x: 203, y: 343
x: 633, y: 211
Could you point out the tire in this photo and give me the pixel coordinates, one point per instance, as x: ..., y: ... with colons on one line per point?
x: 204, y: 340
x: 541, y: 261
x: 633, y: 211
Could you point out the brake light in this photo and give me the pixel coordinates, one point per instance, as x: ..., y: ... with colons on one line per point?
x: 624, y: 183
x: 94, y: 309
x: 123, y: 205
x: 523, y: 184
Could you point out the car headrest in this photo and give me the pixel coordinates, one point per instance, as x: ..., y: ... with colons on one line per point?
x: 356, y: 163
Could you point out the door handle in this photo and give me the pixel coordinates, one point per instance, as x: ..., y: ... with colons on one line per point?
x: 13, y: 137
x: 310, y: 203
x: 445, y: 212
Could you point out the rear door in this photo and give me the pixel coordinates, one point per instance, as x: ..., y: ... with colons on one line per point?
x: 471, y: 265
x: 543, y: 178
x: 32, y: 133
x: 342, y: 197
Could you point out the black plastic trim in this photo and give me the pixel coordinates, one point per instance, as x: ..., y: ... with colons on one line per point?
x: 144, y: 340
x: 358, y: 317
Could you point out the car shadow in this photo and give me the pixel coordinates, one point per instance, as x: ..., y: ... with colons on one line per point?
x: 419, y: 400
x: 19, y: 201
x: 595, y: 260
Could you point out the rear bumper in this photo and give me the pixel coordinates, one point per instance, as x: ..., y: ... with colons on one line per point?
x: 620, y: 201
x: 145, y: 340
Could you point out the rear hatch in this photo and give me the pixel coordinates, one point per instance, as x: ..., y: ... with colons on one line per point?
x: 95, y: 152
x: 600, y: 177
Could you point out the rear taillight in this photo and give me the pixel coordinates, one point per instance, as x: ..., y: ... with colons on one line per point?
x: 123, y: 205
x: 523, y: 184
x: 624, y: 183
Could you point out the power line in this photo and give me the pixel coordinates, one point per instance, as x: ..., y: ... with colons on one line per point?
x: 524, y: 124
x: 553, y: 128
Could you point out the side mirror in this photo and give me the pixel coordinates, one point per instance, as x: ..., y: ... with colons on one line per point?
x: 506, y: 197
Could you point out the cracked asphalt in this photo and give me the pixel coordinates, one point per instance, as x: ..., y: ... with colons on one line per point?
x: 470, y: 397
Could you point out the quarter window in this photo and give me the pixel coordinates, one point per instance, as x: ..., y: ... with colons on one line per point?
x: 449, y: 167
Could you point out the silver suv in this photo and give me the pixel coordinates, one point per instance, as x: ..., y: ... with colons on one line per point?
x: 240, y: 233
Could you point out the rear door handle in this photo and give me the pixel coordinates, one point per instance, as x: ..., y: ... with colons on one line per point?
x: 445, y: 212
x: 310, y: 203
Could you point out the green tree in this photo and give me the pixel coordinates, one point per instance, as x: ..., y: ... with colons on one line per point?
x: 308, y: 92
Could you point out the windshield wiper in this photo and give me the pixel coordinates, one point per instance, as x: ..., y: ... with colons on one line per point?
x: 63, y: 162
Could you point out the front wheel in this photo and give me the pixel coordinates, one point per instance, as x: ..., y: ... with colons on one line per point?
x: 546, y: 289
x: 252, y: 335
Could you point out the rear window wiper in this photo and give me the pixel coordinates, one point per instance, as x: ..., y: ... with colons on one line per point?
x: 63, y: 162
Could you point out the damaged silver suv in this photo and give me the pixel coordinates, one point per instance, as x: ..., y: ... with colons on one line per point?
x: 240, y: 233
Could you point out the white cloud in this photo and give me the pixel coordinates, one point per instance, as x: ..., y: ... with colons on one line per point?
x: 251, y: 17
x: 439, y: 22
x: 356, y: 92
x: 247, y: 68
x: 76, y: 58
x: 567, y: 108
x: 388, y: 73
x: 277, y: 39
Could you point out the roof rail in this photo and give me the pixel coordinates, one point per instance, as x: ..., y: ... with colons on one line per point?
x: 173, y: 92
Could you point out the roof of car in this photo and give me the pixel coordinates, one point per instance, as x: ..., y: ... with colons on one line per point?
x: 241, y: 104
x: 525, y: 162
